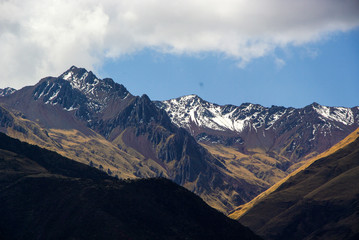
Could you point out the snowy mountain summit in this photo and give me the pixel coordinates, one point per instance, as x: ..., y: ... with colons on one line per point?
x: 78, y: 88
x: 192, y: 112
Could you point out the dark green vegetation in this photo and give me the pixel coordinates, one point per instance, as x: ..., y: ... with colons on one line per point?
x: 320, y: 202
x: 46, y: 196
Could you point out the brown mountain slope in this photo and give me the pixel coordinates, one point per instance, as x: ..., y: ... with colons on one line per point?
x: 246, y: 207
x: 91, y: 149
x: 318, y: 202
x: 258, y: 170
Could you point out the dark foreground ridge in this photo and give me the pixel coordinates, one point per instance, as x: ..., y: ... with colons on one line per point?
x: 46, y: 196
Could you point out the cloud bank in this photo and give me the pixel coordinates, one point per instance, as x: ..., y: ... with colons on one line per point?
x: 44, y: 37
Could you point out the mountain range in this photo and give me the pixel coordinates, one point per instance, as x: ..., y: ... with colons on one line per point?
x: 225, y: 154
x: 289, y: 134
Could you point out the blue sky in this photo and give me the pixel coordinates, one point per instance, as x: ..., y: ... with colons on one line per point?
x: 326, y: 72
x: 270, y: 52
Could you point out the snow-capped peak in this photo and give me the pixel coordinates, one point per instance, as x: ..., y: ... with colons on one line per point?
x: 188, y: 110
x: 191, y: 97
x: 81, y: 79
x: 197, y: 115
x: 81, y: 85
x: 338, y: 114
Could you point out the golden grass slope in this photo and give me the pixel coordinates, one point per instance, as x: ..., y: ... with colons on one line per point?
x: 256, y: 173
x: 246, y: 207
x: 92, y: 150
x: 257, y: 168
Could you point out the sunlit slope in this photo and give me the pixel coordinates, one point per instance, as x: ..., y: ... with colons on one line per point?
x: 317, y: 202
x: 257, y: 171
x: 260, y: 169
x: 246, y: 207
x: 92, y: 149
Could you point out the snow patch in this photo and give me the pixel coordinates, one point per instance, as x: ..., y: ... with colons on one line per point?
x: 337, y: 114
x: 70, y: 108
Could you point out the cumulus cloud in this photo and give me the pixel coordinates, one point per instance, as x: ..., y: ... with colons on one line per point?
x: 44, y: 37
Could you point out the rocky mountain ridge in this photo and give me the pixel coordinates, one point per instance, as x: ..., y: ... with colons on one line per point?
x: 193, y: 109
x: 6, y: 91
x: 299, y: 131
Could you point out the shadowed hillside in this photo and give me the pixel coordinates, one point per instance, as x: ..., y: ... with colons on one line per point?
x: 46, y: 196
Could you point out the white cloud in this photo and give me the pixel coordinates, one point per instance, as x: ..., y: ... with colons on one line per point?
x: 44, y: 37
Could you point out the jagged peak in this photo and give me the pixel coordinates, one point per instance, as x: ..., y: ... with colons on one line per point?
x: 337, y: 114
x: 191, y: 96
x: 82, y: 79
x: 248, y: 104
x: 145, y: 99
x: 79, y: 76
x: 188, y: 98
x: 73, y: 67
x: 95, y: 93
x: 248, y: 107
x: 191, y: 99
x: 314, y: 105
x: 7, y: 91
